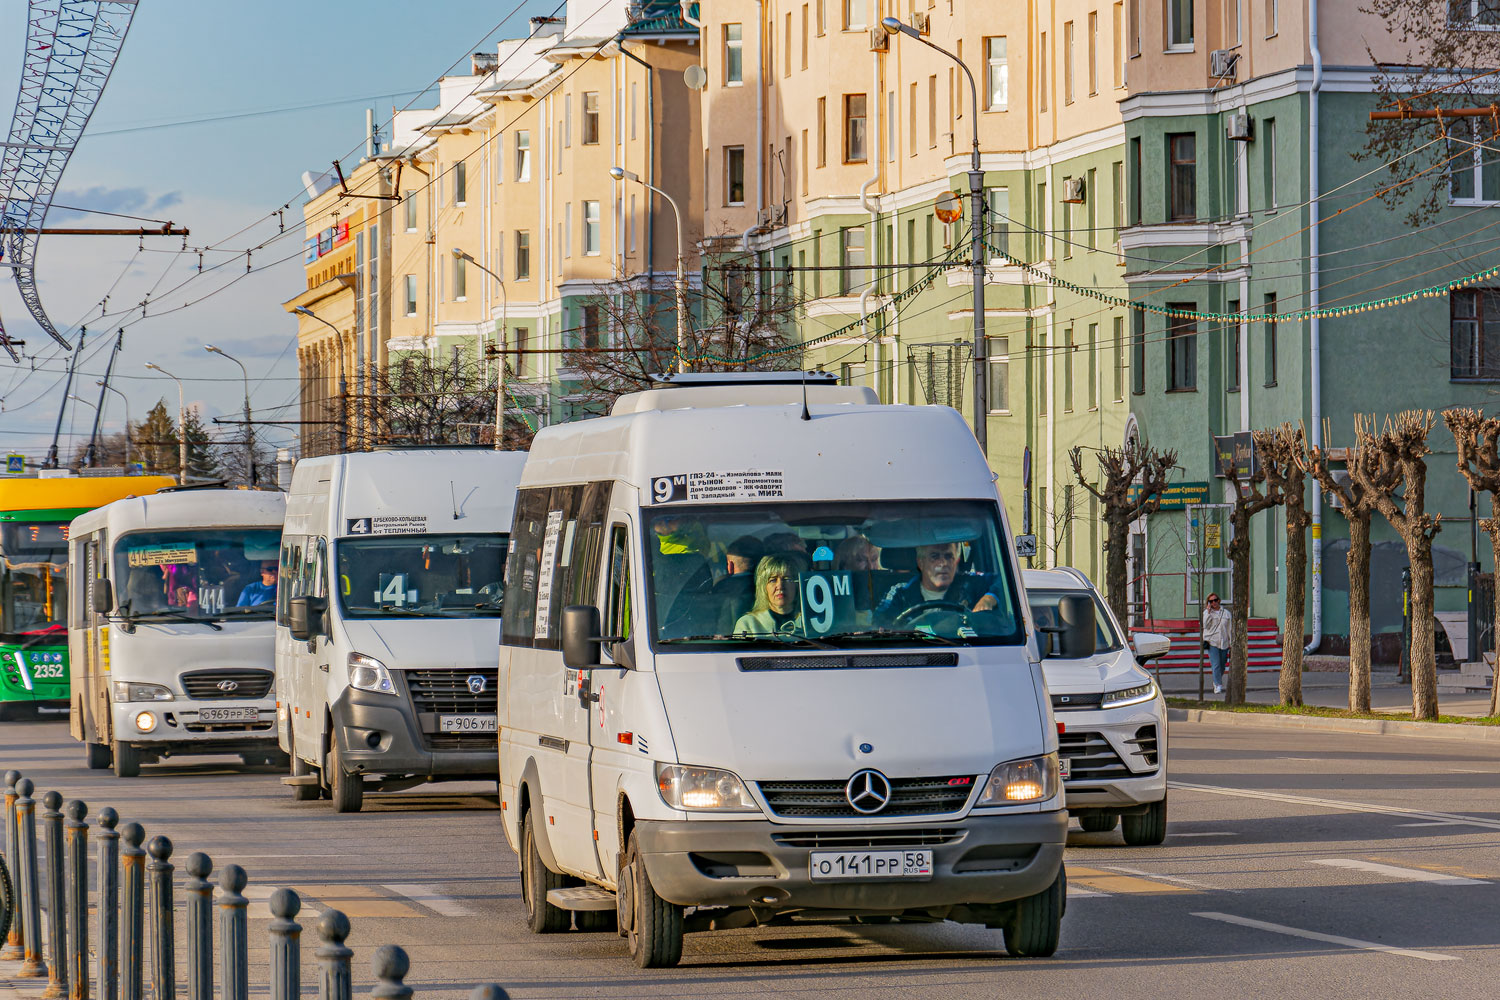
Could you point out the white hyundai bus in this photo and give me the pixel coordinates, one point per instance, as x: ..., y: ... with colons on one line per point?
x: 171, y: 632
x: 766, y: 654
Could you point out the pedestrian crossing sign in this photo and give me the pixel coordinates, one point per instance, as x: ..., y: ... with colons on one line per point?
x: 15, y: 463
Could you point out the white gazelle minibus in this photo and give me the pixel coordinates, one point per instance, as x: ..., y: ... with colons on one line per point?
x: 393, y: 563
x: 171, y: 636
x: 765, y: 654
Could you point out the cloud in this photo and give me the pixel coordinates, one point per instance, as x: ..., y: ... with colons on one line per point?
x: 128, y: 200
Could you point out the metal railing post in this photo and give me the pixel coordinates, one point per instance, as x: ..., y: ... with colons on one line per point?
x: 57, y: 922
x: 12, y: 950
x: 200, y: 927
x: 390, y: 966
x: 30, y: 908
x: 232, y: 934
x: 286, y: 946
x: 108, y: 881
x: 76, y: 847
x: 133, y: 913
x: 163, y: 933
x: 334, y: 981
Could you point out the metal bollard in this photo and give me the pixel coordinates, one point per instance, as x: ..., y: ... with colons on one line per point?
x: 12, y: 950
x: 57, y: 921
x: 30, y: 907
x: 108, y: 881
x: 163, y: 936
x: 488, y: 991
x: 334, y: 983
x: 286, y: 946
x: 200, y: 927
x: 76, y: 849
x: 133, y: 913
x: 232, y: 934
x: 391, y: 965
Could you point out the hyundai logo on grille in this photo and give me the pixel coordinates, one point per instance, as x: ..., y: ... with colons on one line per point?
x: 228, y: 686
x: 476, y: 683
x: 868, y: 791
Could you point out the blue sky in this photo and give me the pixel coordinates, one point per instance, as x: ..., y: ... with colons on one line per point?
x: 212, y: 114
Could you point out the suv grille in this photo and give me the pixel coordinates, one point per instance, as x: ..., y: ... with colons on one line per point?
x: 909, y: 797
x: 1092, y: 757
x: 208, y: 685
x: 447, y: 691
x: 1077, y: 702
x: 921, y: 836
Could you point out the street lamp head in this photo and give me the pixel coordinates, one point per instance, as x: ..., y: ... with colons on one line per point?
x: 459, y: 253
x: 303, y: 310
x: 894, y: 24
x: 152, y: 367
x: 211, y: 349
x: 621, y: 174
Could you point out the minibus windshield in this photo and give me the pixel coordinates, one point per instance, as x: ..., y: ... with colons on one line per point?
x: 202, y: 574
x: 1044, y: 610
x: 33, y: 578
x: 831, y: 574
x: 428, y: 576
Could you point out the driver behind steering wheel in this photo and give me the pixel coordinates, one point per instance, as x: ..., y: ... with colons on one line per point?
x: 937, y: 579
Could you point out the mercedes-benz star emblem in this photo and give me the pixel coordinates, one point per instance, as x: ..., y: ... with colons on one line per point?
x: 476, y: 683
x: 228, y: 686
x: 868, y: 791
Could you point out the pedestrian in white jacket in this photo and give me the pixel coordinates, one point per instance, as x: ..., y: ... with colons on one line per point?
x: 1216, y: 638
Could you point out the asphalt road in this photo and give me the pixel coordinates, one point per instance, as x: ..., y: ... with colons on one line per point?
x: 1298, y: 864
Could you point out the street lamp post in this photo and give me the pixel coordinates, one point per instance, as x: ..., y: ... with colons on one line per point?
x: 343, y: 380
x: 249, y: 428
x: 181, y: 424
x: 105, y: 385
x: 976, y: 241
x: 621, y: 174
x: 459, y: 254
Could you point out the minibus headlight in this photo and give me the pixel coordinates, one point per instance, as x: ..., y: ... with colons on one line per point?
x: 703, y: 789
x: 1033, y: 779
x: 368, y: 674
x: 1130, y: 696
x: 132, y: 691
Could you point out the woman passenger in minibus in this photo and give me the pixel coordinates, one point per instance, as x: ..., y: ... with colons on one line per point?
x: 775, y: 596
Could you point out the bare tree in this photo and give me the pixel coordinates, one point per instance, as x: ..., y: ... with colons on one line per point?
x: 1255, y: 494
x: 416, y: 400
x: 1397, y: 462
x: 1132, y: 480
x: 1357, y: 503
x: 1478, y: 441
x: 1066, y: 509
x: 1283, y: 454
x: 738, y: 320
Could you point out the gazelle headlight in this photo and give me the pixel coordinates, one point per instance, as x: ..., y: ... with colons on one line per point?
x: 703, y: 789
x: 133, y: 691
x: 368, y: 674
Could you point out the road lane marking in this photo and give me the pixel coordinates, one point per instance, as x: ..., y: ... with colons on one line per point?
x: 1109, y: 882
x: 1440, y: 869
x: 426, y: 895
x: 1190, y: 883
x: 1426, y: 956
x: 1360, y: 807
x: 1406, y: 874
x: 1076, y: 893
x: 1434, y: 822
x: 359, y: 901
x: 1208, y: 833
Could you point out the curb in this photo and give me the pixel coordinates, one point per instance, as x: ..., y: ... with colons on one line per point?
x: 1376, y: 727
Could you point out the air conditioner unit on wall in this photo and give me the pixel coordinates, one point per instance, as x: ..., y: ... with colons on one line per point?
x: 880, y: 39
x: 1073, y: 191
x: 922, y: 22
x: 1238, y: 127
x: 1222, y: 64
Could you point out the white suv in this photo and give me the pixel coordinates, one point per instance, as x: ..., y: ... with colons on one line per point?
x: 1112, y: 719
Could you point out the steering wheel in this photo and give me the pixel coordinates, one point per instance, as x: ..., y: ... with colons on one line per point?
x: 918, y: 609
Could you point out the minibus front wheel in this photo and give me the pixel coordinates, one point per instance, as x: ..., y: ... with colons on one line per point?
x: 653, y: 925
x: 1034, y: 930
x: 127, y: 761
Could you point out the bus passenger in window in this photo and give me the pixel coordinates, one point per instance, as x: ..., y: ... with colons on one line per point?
x: 938, y: 579
x: 775, y: 596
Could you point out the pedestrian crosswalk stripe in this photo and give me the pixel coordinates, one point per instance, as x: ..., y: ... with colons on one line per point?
x: 1393, y: 871
x: 1110, y: 882
x: 426, y: 895
x: 360, y: 901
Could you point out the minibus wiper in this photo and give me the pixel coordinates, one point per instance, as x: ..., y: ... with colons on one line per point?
x: 177, y: 616
x: 255, y: 609
x: 781, y: 637
x: 889, y: 633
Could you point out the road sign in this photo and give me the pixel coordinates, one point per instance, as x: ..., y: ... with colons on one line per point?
x: 15, y: 463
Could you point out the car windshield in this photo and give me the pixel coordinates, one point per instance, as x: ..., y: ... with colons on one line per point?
x: 33, y: 579
x: 432, y: 576
x: 201, y: 573
x: 839, y: 574
x: 1044, y: 611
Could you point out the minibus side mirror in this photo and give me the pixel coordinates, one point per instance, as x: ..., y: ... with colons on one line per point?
x: 1074, y: 633
x: 104, y: 596
x: 305, y: 616
x: 582, y: 645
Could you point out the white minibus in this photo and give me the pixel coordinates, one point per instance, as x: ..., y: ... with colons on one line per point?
x: 171, y: 633
x: 388, y: 621
x: 765, y: 654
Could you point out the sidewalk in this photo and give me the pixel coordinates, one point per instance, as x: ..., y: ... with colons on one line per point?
x: 1329, y: 689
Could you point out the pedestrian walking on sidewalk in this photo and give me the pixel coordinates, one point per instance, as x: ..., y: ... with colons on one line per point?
x: 1216, y: 631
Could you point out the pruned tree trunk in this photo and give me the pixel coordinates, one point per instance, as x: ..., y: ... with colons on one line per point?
x: 1424, y: 703
x: 1359, y: 612
x: 1132, y: 479
x: 1491, y: 526
x: 1116, y: 555
x: 1239, y: 560
x: 1289, y: 685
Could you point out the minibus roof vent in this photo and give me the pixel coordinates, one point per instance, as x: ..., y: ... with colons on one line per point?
x: 703, y: 390
x: 703, y: 380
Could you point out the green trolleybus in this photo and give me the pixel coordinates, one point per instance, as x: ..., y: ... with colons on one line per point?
x: 34, y: 516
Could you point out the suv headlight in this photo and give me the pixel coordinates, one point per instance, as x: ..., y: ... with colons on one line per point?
x: 132, y: 691
x: 1129, y: 696
x: 703, y: 789
x: 1033, y: 779
x: 368, y: 674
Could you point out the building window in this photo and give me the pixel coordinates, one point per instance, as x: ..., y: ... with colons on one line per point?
x: 822, y: 131
x: 786, y: 62
x: 1182, y: 350
x: 1273, y: 565
x: 1273, y: 16
x: 854, y: 15
x: 854, y: 129
x: 1268, y: 151
x: 734, y: 175
x: 997, y: 363
x: 802, y: 153
x: 411, y: 295
x: 1232, y: 352
x: 1093, y: 53
x: 409, y: 206
x: 1091, y: 208
x: 855, y: 277
x: 460, y: 280
x: 1117, y: 180
x: 821, y: 20
x: 996, y: 74
x: 911, y: 121
x: 804, y: 36
x: 998, y: 202
x: 1119, y: 365
x: 1137, y: 352
x: 1067, y: 222
x: 890, y: 125
x: 1474, y: 334
x: 1068, y: 62
x: 1093, y: 360
x: 932, y: 117
x: 591, y: 118
x: 523, y: 255
x: 1065, y: 358
x: 1041, y: 73
x: 1471, y: 180
x: 518, y: 344
x: 1179, y: 24
x: 734, y: 55
x: 1183, y: 176
x: 1270, y: 338
x: 1041, y: 374
x: 523, y: 155
x: 591, y: 228
x: 589, y: 327
x: 567, y: 228
x: 1119, y: 44
x: 461, y: 183
x: 1135, y: 180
